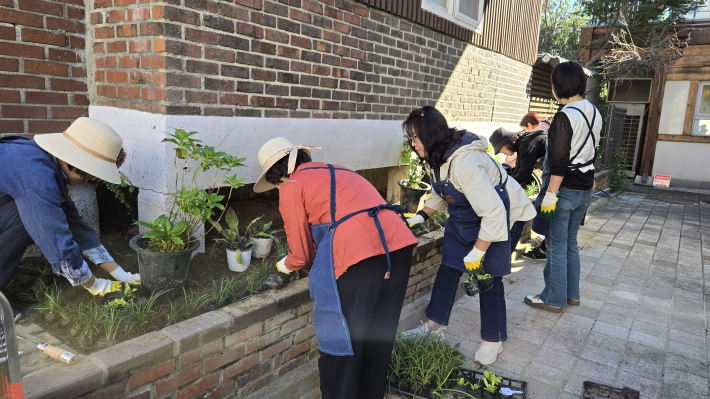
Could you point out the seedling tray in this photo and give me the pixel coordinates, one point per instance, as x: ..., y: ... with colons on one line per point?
x: 593, y: 390
x: 477, y: 377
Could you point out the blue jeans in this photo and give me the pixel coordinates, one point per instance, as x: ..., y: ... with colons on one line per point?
x: 492, y: 303
x: 562, y: 268
x: 515, y: 233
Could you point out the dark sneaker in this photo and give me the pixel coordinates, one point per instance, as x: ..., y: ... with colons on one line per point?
x: 536, y: 302
x: 16, y: 314
x: 573, y: 302
x: 535, y: 254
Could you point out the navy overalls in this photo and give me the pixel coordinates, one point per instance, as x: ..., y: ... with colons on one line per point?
x: 460, y: 235
x: 539, y: 225
x: 330, y: 324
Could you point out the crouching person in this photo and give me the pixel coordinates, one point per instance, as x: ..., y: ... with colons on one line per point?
x: 35, y: 206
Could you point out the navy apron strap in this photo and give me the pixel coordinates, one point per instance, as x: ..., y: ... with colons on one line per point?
x: 332, y: 193
x: 590, y: 132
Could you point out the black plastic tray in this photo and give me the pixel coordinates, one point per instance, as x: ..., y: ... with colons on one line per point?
x: 594, y: 390
x: 477, y: 377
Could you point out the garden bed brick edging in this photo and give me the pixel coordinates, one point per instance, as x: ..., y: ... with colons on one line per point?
x: 241, y: 348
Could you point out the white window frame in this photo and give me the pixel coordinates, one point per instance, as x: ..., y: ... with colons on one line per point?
x: 696, y: 112
x: 451, y: 13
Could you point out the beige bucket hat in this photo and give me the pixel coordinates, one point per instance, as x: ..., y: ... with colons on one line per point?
x: 272, y: 152
x: 89, y: 145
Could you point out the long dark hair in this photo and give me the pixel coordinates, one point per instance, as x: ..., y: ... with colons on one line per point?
x: 434, y: 133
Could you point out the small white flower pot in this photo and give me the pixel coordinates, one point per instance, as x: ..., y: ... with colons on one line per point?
x: 238, y: 261
x: 262, y: 247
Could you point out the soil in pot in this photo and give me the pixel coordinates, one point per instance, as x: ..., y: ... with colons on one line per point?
x: 471, y: 288
x: 411, y: 198
x: 162, y: 271
x: 262, y: 247
x: 485, y: 284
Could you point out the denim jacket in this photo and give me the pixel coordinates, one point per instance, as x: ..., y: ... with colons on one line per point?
x: 31, y: 177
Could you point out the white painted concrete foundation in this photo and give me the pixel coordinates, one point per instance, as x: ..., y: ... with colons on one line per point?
x: 356, y: 144
x: 682, y: 161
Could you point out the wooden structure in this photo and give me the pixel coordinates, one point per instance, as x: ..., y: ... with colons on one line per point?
x: 673, y: 109
x: 509, y: 26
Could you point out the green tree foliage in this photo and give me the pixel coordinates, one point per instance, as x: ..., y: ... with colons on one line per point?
x: 560, y: 26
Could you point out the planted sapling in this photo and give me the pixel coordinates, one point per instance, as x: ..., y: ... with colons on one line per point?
x: 193, y: 303
x: 491, y: 381
x: 231, y: 238
x: 144, y: 310
x: 221, y: 291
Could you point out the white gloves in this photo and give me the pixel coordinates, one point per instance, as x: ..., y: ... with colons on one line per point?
x: 102, y: 287
x: 119, y: 274
x: 548, y: 208
x: 281, y: 266
x: 415, y: 220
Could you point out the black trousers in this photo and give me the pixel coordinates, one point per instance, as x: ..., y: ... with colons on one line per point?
x: 14, y: 240
x: 371, y: 306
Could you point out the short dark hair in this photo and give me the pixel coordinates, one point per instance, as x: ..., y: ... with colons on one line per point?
x: 434, y: 133
x: 280, y: 169
x: 512, y: 144
x: 568, y: 80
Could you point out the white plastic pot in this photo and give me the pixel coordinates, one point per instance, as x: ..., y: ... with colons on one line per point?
x: 233, y: 258
x: 262, y: 247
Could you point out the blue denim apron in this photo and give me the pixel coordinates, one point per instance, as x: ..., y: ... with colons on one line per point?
x: 462, y: 229
x: 539, y: 224
x: 328, y: 319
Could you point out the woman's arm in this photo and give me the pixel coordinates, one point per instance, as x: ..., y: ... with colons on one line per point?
x: 298, y: 232
x: 559, y: 146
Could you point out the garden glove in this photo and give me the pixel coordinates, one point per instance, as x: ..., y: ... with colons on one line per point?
x: 474, y: 260
x: 549, y: 206
x: 102, y: 287
x: 415, y: 220
x: 281, y: 266
x: 131, y: 278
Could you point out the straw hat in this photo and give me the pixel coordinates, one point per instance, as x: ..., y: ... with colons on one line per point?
x: 89, y: 145
x: 272, y: 152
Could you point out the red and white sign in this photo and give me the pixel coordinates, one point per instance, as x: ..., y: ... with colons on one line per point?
x: 661, y: 181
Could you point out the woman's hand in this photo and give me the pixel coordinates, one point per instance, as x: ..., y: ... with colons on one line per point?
x: 549, y: 206
x: 473, y: 260
x: 281, y: 266
x: 415, y: 220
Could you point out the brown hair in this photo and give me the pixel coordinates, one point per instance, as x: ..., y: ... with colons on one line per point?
x: 532, y: 118
x: 120, y: 159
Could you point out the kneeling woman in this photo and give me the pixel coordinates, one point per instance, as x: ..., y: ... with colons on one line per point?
x: 482, y: 203
x: 362, y: 253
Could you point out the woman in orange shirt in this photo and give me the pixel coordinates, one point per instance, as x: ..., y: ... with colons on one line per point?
x: 362, y: 253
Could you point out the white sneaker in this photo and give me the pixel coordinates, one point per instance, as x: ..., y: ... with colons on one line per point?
x: 424, y: 329
x: 488, y: 352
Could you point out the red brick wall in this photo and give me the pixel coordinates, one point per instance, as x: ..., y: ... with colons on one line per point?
x: 42, y: 67
x: 292, y: 58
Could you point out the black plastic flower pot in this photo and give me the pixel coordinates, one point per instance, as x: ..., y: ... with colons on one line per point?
x: 485, y: 284
x: 411, y: 198
x: 487, y: 395
x: 471, y: 288
x: 161, y: 271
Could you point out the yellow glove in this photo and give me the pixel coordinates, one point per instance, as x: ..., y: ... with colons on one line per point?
x: 281, y: 266
x: 474, y: 260
x: 102, y: 287
x: 549, y: 206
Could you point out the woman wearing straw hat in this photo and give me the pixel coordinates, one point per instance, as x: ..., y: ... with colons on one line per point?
x: 34, y: 205
x: 361, y: 251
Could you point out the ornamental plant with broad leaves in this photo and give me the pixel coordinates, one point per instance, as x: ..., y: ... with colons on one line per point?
x: 231, y: 238
x: 264, y: 231
x: 192, y: 206
x: 410, y: 159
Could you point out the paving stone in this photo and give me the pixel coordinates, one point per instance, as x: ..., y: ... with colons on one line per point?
x: 681, y: 379
x: 639, y: 366
x: 649, y: 388
x: 614, y: 319
x: 610, y: 329
x: 687, y: 364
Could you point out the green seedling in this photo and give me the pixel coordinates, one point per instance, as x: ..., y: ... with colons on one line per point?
x: 281, y: 248
x: 115, y: 318
x: 264, y: 231
x: 532, y: 189
x: 193, y: 303
x: 175, y: 312
x: 144, y: 311
x: 89, y: 319
x: 253, y: 282
x: 221, y: 290
x: 491, y: 381
x: 49, y: 299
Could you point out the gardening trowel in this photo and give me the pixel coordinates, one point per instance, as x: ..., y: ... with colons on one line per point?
x: 53, y: 352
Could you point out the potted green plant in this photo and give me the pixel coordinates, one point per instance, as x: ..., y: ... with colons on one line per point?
x: 164, y: 252
x: 263, y: 238
x: 412, y: 189
x: 239, y: 248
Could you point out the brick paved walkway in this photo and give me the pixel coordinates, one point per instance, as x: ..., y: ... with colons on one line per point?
x: 643, y: 319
